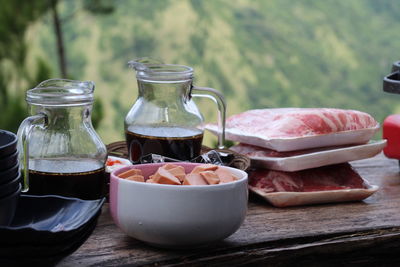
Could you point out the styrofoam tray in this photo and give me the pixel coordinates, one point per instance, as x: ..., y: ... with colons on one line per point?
x: 299, y: 143
x: 287, y: 199
x: 319, y: 158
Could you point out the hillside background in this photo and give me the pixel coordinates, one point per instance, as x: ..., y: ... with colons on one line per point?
x: 260, y: 54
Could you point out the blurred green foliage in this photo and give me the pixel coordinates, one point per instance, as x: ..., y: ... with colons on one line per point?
x: 261, y: 54
x: 97, y: 112
x: 16, y: 73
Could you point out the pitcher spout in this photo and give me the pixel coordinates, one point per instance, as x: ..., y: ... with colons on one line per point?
x: 141, y: 64
x: 65, y: 83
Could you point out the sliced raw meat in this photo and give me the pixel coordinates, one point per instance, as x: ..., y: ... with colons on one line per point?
x: 335, y: 183
x: 265, y: 158
x: 257, y: 151
x: 296, y: 122
x: 333, y: 177
x: 269, y: 127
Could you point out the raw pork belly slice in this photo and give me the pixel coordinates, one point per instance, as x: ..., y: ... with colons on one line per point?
x: 256, y: 151
x: 261, y: 152
x: 289, y: 129
x: 297, y: 122
x: 333, y: 177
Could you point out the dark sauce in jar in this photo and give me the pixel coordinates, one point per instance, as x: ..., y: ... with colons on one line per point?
x: 174, y: 142
x: 84, y: 179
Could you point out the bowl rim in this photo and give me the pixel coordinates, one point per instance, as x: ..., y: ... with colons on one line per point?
x: 12, y: 143
x: 9, y: 157
x: 14, y: 180
x: 114, y: 177
x: 98, y: 203
x: 11, y: 195
x: 11, y: 169
x: 11, y: 184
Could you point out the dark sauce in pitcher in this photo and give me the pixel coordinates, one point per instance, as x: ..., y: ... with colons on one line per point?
x: 83, y: 179
x: 174, y: 142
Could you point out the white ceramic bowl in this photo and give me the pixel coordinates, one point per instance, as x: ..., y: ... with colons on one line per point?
x: 177, y: 215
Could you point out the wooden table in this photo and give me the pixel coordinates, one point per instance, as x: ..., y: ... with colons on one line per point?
x: 358, y: 233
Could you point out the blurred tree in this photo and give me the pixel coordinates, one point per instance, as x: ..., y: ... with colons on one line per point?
x: 15, y: 74
x: 15, y: 17
x: 97, y: 113
x: 95, y: 7
x: 59, y: 37
x: 99, y: 7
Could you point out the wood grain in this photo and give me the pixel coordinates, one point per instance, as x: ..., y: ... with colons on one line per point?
x: 357, y: 233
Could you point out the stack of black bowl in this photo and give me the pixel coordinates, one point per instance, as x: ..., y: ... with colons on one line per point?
x: 10, y: 177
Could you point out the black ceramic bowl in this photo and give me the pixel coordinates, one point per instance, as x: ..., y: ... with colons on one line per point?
x: 8, y: 206
x: 48, y: 220
x: 45, y: 254
x: 8, y: 143
x: 9, y: 174
x: 9, y: 161
x: 10, y: 187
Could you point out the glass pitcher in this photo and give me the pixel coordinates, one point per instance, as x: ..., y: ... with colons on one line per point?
x: 59, y: 149
x: 164, y: 119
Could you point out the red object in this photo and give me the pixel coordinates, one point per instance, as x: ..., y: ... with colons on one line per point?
x: 332, y: 177
x: 391, y: 132
x: 111, y: 162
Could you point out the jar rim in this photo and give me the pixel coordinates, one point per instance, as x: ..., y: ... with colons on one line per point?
x: 162, y: 72
x: 61, y: 92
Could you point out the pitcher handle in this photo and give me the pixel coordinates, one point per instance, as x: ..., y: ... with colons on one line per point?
x: 219, y: 99
x: 23, y: 134
x: 391, y: 82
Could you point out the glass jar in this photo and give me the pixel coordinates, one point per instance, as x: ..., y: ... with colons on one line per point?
x: 60, y: 151
x: 164, y: 119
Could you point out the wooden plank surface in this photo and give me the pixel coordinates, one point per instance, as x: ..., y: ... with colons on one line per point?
x: 356, y: 233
